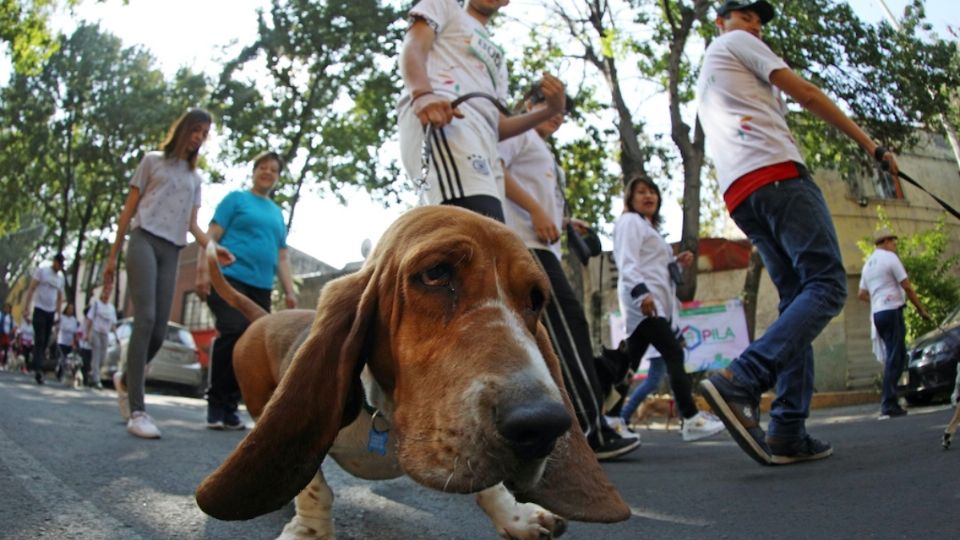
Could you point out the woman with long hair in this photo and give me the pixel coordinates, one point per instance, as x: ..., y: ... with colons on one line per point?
x: 160, y: 208
x: 648, y: 297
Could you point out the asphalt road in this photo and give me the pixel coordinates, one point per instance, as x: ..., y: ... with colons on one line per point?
x: 68, y: 469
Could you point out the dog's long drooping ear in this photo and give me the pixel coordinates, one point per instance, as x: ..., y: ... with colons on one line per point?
x: 573, y: 484
x: 318, y: 394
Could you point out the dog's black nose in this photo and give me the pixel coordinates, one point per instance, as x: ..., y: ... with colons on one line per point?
x: 531, y: 428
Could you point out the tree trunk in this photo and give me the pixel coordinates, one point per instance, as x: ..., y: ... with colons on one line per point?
x: 751, y: 288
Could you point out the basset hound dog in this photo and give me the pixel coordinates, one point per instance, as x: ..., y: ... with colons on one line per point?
x: 430, y: 362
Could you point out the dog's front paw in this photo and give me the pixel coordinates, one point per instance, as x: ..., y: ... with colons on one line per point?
x: 299, y: 529
x: 529, y: 521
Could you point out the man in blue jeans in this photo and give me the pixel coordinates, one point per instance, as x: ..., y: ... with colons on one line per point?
x: 773, y: 199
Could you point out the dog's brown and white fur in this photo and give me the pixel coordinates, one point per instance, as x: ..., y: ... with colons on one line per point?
x: 439, y: 333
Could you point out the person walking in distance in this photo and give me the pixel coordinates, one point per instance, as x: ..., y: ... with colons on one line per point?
x: 160, y: 208
x: 8, y: 328
x: 101, y: 322
x: 775, y: 202
x: 251, y: 226
x: 648, y: 297
x: 46, y: 295
x: 883, y: 283
x: 448, y: 53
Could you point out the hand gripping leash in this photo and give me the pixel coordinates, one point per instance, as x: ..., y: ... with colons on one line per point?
x: 427, y: 153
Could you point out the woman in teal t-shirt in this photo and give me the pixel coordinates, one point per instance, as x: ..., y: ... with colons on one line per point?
x: 251, y: 226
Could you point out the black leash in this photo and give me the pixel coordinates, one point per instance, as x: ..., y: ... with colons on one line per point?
x: 427, y: 153
x: 878, y: 154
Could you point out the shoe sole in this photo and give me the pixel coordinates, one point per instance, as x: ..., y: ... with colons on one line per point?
x: 610, y: 454
x: 788, y: 460
x: 215, y: 425
x: 734, y: 427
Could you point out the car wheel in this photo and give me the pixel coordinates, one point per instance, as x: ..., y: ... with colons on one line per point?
x: 918, y: 399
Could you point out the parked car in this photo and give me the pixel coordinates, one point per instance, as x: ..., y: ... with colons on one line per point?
x: 177, y: 362
x: 932, y: 362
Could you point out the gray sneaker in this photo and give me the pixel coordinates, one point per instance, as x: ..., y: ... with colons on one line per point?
x: 806, y: 448
x: 740, y: 412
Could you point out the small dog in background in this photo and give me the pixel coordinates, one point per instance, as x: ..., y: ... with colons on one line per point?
x: 653, y: 407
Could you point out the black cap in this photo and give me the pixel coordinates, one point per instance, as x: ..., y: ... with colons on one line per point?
x: 761, y: 8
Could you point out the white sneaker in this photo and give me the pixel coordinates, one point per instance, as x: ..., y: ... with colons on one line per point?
x: 123, y: 400
x: 617, y: 424
x: 141, y: 425
x: 701, y: 426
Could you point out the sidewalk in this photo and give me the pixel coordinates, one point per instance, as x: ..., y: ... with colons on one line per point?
x: 821, y: 400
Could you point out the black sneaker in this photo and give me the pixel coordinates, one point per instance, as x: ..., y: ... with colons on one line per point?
x: 38, y: 377
x: 947, y: 439
x: 231, y: 421
x: 740, y: 412
x: 806, y: 448
x: 215, y: 416
x: 615, y: 447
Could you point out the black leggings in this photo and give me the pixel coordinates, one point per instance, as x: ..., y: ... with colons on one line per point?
x: 657, y: 331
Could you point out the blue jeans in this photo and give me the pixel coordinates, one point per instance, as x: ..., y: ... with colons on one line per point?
x: 789, y: 223
x: 657, y: 368
x: 893, y: 330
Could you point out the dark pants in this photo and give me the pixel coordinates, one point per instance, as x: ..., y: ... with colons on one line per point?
x: 223, y: 392
x: 569, y: 334
x: 42, y: 327
x: 893, y: 331
x: 482, y: 204
x: 657, y: 331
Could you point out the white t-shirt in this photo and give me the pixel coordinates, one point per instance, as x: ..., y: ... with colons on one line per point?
x: 49, y: 283
x: 642, y: 256
x: 69, y: 325
x: 533, y: 166
x: 169, y: 191
x: 463, y: 59
x: 102, y: 315
x: 881, y: 277
x: 742, y: 114
x: 26, y: 333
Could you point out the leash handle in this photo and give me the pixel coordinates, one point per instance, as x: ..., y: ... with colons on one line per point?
x: 429, y: 131
x: 878, y: 154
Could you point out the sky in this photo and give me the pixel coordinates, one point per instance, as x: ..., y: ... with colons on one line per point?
x: 196, y: 33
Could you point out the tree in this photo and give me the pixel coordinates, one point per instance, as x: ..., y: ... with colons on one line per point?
x: 317, y: 86
x: 75, y: 131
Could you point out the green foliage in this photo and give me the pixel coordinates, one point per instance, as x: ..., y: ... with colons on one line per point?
x: 74, y: 132
x: 932, y: 272
x: 891, y: 82
x: 318, y: 86
x: 23, y: 26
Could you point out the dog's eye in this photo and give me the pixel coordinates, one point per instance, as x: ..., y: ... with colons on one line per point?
x: 537, y: 299
x: 437, y: 276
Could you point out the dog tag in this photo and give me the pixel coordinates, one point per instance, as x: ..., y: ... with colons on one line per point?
x: 378, y: 441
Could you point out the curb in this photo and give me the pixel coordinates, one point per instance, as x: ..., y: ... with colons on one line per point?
x: 820, y: 400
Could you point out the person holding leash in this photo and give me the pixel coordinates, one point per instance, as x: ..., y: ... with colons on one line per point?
x: 46, y: 294
x: 160, y: 208
x: 251, y: 226
x: 883, y: 283
x: 775, y: 202
x: 448, y: 53
x: 535, y: 210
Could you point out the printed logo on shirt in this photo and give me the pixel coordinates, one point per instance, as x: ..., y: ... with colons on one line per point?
x: 489, y: 53
x: 744, y: 129
x: 479, y: 164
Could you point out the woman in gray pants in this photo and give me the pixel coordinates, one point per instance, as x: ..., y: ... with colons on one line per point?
x: 160, y: 208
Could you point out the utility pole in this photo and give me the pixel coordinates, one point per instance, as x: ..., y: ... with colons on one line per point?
x: 944, y: 120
